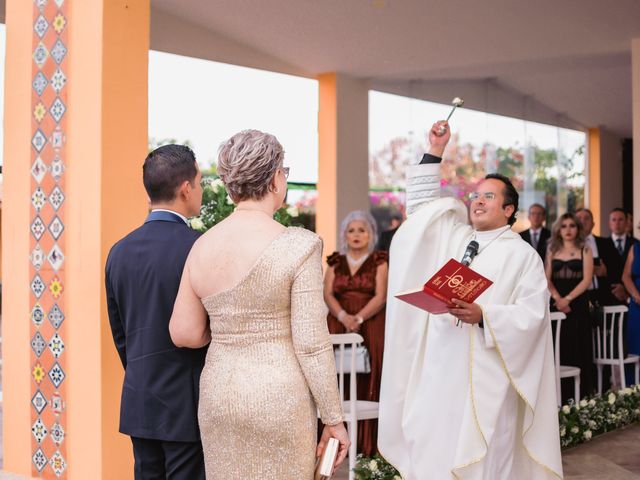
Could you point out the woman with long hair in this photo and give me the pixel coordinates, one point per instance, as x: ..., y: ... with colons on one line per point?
x: 569, y: 269
x: 355, y: 290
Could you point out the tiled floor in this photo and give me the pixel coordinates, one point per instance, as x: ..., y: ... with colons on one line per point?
x: 615, y: 456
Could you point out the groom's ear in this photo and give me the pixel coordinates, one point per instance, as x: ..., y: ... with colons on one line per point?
x: 184, y: 190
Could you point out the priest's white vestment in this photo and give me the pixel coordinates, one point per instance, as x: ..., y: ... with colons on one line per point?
x: 466, y: 402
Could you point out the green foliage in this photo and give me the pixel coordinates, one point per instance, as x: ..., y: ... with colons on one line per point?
x: 217, y: 205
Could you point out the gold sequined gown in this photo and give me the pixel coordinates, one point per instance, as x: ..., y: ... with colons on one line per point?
x: 269, y: 364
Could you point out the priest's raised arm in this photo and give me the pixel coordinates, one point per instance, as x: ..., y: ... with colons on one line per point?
x: 476, y: 401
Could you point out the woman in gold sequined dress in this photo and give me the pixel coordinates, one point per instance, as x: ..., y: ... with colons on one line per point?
x: 253, y: 288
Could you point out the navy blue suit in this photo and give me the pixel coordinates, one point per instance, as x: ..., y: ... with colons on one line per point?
x: 161, y: 383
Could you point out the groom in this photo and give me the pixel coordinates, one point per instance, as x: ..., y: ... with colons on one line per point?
x: 159, y: 401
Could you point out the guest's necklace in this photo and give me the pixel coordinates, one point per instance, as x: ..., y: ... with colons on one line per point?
x: 355, y: 264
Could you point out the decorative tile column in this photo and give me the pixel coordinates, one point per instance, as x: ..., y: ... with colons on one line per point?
x: 47, y: 242
x: 75, y: 140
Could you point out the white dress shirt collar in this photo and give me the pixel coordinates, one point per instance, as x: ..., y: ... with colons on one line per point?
x: 184, y: 219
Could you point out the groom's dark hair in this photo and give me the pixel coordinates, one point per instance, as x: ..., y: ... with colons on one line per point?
x: 510, y: 194
x: 165, y: 169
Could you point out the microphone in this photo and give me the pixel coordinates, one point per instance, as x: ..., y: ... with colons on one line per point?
x: 470, y: 252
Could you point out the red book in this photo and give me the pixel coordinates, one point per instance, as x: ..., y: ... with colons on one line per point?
x: 454, y: 280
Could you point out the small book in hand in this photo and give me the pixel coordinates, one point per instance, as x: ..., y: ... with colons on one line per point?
x: 326, y: 462
x: 454, y: 280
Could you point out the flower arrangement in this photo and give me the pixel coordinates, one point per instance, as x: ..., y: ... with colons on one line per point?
x: 217, y: 205
x: 591, y: 416
x: 375, y: 468
x: 579, y: 422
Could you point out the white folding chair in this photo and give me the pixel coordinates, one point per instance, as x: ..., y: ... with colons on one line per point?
x: 606, y: 337
x: 563, y: 371
x: 353, y: 408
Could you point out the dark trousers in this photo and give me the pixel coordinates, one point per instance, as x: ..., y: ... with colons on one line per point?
x: 161, y: 460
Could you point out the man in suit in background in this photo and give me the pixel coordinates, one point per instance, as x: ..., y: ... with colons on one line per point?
x: 384, y: 242
x: 537, y: 235
x: 619, y: 244
x: 600, y: 291
x: 159, y: 401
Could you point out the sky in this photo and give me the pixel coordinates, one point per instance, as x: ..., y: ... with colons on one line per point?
x: 207, y: 102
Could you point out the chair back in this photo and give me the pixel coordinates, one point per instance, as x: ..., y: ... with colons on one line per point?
x: 341, y: 340
x: 608, y: 334
x: 557, y: 317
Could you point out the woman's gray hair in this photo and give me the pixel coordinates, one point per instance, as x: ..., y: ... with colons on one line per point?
x: 247, y: 163
x: 368, y: 220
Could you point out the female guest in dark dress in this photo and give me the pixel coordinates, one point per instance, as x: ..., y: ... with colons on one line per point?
x: 355, y: 290
x: 569, y: 269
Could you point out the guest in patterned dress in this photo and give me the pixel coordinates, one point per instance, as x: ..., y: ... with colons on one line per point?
x: 355, y: 290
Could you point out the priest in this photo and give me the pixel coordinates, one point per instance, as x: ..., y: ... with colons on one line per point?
x: 468, y: 394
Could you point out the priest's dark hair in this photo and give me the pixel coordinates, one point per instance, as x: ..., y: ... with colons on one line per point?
x: 165, y: 169
x: 510, y: 194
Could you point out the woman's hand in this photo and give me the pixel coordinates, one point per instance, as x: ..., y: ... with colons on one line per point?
x: 351, y: 323
x: 339, y: 432
x: 562, y: 304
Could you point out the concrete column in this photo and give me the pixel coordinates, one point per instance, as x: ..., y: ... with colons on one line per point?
x: 635, y: 102
x: 81, y: 81
x: 605, y: 177
x: 343, y: 177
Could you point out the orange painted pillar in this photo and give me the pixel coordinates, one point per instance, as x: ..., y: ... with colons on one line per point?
x: 343, y: 157
x: 594, y: 198
x: 75, y: 140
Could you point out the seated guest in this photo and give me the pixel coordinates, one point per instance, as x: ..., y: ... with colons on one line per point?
x: 355, y: 290
x: 569, y: 269
x: 537, y: 235
x: 384, y: 243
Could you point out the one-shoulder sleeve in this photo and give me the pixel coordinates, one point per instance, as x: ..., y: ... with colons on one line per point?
x: 380, y: 257
x: 333, y: 259
x: 311, y: 339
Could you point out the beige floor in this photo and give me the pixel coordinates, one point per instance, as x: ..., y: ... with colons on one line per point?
x: 615, y: 456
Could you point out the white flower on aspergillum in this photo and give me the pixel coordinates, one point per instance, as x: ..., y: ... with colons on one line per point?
x: 566, y: 410
x: 373, y: 465
x: 216, y: 184
x: 457, y: 102
x: 612, y: 398
x: 196, y: 223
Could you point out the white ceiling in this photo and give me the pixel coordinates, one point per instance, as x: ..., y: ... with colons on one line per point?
x: 573, y: 56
